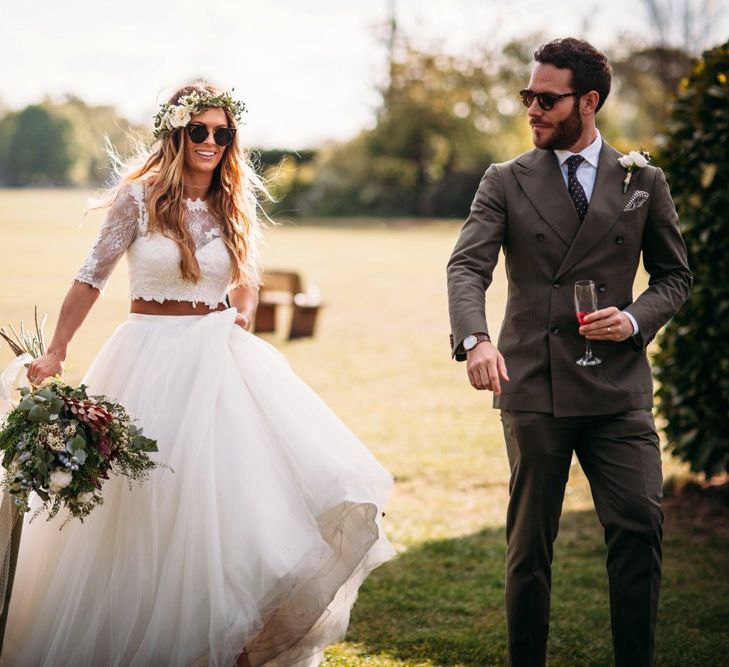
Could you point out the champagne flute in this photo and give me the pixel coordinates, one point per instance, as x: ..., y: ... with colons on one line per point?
x: 586, y: 303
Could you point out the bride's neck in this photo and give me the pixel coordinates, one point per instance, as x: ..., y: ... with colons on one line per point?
x: 193, y: 191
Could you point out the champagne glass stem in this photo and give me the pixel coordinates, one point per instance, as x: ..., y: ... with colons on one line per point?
x: 588, y: 349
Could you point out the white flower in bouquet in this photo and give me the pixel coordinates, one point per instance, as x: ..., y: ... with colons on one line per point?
x: 178, y: 116
x: 51, y: 435
x: 86, y: 497
x: 59, y: 480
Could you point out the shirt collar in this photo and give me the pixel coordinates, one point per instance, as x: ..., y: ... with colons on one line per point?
x: 591, y: 153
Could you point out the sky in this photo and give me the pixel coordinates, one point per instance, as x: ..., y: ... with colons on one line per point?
x: 306, y: 69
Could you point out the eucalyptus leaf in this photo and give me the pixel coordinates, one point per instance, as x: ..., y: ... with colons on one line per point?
x: 78, y: 443
x: 38, y: 414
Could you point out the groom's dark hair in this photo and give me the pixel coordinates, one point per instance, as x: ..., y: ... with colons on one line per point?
x: 589, y: 67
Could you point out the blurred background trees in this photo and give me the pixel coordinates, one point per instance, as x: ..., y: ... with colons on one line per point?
x: 692, y: 365
x: 442, y: 119
x: 59, y: 143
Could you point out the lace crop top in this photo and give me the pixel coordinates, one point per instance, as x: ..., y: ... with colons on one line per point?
x: 154, y: 259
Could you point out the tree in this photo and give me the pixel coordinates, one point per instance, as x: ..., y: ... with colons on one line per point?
x: 442, y: 121
x: 686, y: 24
x: 89, y: 126
x: 692, y: 365
x: 646, y: 82
x: 36, y: 148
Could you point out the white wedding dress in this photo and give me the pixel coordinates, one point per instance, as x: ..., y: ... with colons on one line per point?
x: 261, y: 536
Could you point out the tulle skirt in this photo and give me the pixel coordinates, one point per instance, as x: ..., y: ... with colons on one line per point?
x: 258, y: 539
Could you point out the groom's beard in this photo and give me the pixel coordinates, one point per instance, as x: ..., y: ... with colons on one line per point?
x: 566, y: 133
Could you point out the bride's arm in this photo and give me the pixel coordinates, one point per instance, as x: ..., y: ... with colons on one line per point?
x: 76, y: 306
x: 114, y: 237
x: 245, y: 300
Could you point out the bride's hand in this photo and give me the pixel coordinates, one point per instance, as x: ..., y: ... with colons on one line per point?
x: 243, y: 321
x: 45, y: 366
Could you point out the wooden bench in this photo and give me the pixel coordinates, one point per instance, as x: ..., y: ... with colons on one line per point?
x: 284, y: 288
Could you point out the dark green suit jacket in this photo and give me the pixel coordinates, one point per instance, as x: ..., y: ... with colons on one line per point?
x: 523, y: 207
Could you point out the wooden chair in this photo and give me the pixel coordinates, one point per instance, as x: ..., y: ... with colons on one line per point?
x: 284, y: 288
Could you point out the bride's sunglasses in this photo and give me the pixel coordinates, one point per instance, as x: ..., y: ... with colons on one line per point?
x: 198, y: 133
x: 545, y: 100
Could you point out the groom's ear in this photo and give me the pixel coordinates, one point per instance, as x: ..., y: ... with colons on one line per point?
x: 589, y: 102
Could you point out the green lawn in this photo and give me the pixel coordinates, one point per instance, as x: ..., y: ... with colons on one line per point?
x: 380, y: 359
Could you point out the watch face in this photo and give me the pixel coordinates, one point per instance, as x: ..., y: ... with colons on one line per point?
x: 469, y: 342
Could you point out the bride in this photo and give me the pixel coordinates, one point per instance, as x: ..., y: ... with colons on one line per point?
x: 252, y: 551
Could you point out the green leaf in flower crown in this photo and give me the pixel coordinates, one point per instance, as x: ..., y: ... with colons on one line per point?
x: 80, y: 454
x: 43, y: 495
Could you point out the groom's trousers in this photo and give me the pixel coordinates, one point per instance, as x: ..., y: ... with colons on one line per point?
x: 620, y: 456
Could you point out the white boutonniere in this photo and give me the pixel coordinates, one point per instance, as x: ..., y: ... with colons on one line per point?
x: 632, y: 161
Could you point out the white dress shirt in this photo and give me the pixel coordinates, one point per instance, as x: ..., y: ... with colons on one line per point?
x: 586, y: 173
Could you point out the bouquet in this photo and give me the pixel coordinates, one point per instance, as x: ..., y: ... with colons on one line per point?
x: 60, y: 443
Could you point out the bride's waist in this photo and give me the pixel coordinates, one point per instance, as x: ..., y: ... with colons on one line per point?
x: 172, y: 307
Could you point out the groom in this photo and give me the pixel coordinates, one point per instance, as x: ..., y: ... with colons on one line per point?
x: 560, y: 214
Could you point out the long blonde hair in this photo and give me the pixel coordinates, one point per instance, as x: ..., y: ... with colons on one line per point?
x: 233, y: 196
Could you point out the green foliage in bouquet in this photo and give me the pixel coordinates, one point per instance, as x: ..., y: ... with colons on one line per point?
x: 61, y: 443
x: 692, y: 365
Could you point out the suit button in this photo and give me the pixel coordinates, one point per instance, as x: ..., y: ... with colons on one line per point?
x: 601, y: 287
x: 540, y: 237
x: 554, y: 331
x: 556, y: 284
x: 619, y: 240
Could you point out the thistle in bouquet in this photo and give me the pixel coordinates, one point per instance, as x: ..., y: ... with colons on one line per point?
x: 61, y: 443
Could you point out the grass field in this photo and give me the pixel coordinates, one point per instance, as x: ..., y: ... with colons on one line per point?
x: 380, y: 359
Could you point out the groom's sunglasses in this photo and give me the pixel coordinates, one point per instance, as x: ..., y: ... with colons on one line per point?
x: 545, y: 100
x: 198, y: 133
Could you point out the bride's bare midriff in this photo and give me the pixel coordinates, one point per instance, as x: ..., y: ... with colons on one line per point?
x: 171, y: 308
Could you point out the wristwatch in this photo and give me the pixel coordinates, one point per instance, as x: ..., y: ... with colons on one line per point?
x: 469, y: 342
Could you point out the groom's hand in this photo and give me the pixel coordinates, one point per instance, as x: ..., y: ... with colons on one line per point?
x: 486, y: 367
x: 607, y: 324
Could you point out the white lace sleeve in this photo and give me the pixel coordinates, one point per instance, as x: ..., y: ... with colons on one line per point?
x: 116, y: 234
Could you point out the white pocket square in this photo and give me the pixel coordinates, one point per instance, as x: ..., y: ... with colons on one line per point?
x: 637, y: 199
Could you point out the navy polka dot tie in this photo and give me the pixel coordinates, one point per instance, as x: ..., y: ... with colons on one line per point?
x: 574, y: 187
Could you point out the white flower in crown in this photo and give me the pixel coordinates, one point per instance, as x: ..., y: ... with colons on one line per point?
x: 173, y: 116
x: 632, y: 161
x: 178, y: 116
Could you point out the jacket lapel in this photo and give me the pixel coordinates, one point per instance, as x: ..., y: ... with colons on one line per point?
x: 541, y: 180
x: 606, y: 205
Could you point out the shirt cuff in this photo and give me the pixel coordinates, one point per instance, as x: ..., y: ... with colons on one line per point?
x: 632, y: 321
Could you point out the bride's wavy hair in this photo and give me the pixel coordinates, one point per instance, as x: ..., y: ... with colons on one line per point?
x: 234, y: 195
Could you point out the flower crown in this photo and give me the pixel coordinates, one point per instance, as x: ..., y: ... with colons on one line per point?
x: 171, y: 116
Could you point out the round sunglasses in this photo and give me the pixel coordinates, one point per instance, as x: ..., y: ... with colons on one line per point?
x: 198, y: 133
x: 545, y: 100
